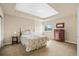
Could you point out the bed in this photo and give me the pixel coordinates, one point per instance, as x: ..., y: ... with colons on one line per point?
x: 32, y: 40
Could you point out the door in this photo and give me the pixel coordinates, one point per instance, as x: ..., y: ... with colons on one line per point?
x: 78, y: 31
x: 0, y: 31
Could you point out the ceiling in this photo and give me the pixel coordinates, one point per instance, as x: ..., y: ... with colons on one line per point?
x: 41, y: 10
x: 64, y: 9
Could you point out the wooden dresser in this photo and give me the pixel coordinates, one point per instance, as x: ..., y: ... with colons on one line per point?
x: 59, y: 35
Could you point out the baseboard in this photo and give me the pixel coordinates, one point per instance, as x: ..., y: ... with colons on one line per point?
x: 7, y: 44
x: 67, y: 42
x: 70, y: 42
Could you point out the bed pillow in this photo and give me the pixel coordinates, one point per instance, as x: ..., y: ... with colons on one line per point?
x: 26, y: 33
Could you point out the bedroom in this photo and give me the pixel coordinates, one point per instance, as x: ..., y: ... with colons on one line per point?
x: 15, y: 20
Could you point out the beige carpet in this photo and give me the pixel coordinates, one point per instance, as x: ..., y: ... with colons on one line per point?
x: 53, y: 48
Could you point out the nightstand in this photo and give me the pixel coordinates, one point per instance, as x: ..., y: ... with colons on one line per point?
x: 14, y: 39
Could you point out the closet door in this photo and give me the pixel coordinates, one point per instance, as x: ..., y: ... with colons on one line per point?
x: 78, y: 31
x: 0, y: 31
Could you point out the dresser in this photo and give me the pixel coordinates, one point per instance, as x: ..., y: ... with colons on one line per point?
x: 59, y: 35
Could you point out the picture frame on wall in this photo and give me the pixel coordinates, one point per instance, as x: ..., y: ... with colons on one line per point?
x: 60, y: 25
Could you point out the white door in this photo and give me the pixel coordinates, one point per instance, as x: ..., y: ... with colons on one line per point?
x: 0, y: 31
x: 78, y: 32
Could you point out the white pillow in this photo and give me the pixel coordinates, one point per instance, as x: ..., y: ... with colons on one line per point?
x: 26, y: 33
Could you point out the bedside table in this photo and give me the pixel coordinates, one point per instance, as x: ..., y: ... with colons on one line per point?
x: 14, y: 39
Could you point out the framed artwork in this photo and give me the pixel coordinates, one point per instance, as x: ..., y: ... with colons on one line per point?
x: 60, y: 25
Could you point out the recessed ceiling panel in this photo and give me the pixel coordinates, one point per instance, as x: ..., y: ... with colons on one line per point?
x: 41, y: 10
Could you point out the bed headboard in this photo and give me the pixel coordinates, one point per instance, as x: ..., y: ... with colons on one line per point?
x: 20, y: 33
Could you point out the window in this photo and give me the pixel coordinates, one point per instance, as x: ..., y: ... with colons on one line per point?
x: 48, y: 27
